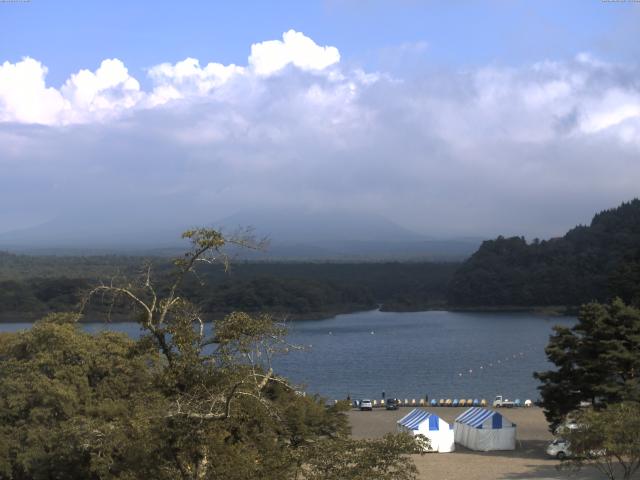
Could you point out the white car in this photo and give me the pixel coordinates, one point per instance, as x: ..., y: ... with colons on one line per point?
x: 366, y: 404
x: 559, y: 449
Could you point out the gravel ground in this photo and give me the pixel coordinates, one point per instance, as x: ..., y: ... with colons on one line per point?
x: 528, y: 461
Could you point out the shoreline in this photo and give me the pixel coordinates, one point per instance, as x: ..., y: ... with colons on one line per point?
x: 554, y: 311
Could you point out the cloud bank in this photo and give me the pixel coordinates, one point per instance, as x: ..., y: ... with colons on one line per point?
x: 529, y: 149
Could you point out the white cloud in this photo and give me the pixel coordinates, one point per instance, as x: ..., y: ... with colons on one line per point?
x: 96, y: 96
x: 24, y: 96
x: 452, y: 151
x: 188, y: 78
x: 296, y: 49
x: 611, y: 109
x: 100, y: 94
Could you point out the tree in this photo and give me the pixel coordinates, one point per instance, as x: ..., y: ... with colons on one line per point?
x: 598, y: 361
x: 191, y: 399
x: 588, y: 263
x: 625, y: 280
x: 74, y: 405
x: 382, y: 459
x: 608, y: 439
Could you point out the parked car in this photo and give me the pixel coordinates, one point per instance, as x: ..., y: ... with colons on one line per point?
x: 366, y: 404
x: 392, y: 404
x: 559, y: 449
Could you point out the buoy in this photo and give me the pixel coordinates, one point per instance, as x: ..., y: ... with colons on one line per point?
x: 460, y: 374
x: 372, y: 333
x: 470, y: 371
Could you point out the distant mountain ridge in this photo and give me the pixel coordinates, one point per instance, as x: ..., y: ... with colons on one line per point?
x: 295, y: 234
x: 594, y: 262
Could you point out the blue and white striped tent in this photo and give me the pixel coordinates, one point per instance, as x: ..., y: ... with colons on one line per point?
x: 483, y: 429
x: 439, y: 432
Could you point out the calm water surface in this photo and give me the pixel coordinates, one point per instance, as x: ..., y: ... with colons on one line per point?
x: 439, y: 354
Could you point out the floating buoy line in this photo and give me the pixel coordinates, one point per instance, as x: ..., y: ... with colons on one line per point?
x: 484, y: 367
x: 495, y: 363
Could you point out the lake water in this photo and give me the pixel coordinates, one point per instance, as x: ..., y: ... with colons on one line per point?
x: 410, y: 355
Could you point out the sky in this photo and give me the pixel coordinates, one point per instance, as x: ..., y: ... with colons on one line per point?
x: 451, y: 118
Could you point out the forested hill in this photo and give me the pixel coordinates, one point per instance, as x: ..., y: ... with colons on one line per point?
x: 594, y: 262
x: 31, y: 287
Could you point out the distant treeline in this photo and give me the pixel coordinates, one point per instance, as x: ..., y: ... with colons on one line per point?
x: 595, y: 262
x: 298, y: 289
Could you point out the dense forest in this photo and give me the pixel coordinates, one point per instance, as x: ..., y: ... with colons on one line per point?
x: 595, y: 262
x: 31, y: 286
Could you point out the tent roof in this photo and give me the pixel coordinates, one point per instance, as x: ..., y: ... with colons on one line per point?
x: 476, y: 416
x: 415, y: 417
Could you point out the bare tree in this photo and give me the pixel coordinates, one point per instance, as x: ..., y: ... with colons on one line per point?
x: 209, y: 367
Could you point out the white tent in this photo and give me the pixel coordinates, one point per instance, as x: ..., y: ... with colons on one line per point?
x: 482, y: 429
x: 421, y: 422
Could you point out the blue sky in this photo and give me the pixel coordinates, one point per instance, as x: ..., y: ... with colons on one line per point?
x: 448, y: 117
x: 73, y: 34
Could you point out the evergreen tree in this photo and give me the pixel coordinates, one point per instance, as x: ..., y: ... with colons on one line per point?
x: 598, y: 361
x: 590, y: 263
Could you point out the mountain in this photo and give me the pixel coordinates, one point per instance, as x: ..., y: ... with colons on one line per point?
x: 92, y: 235
x: 594, y: 262
x: 322, y: 235
x: 309, y: 226
x: 294, y: 234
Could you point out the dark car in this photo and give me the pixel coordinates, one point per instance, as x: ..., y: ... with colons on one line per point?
x: 393, y: 404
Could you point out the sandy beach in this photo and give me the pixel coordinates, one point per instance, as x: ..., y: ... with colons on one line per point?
x: 528, y: 461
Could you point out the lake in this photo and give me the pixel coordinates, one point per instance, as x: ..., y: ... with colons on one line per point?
x: 410, y: 355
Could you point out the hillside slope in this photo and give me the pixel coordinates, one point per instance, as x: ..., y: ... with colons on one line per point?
x: 594, y: 262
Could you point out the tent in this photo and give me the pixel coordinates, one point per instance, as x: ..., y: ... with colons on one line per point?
x: 421, y: 422
x: 484, y: 430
